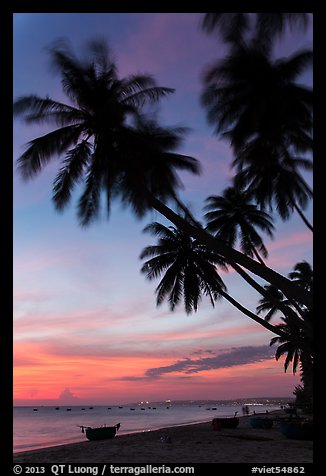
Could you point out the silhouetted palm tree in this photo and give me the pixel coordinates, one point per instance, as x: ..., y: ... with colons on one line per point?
x: 189, y: 271
x: 234, y: 218
x: 293, y: 344
x: 271, y: 304
x: 296, y: 343
x: 249, y: 94
x: 96, y: 133
x: 189, y: 268
x: 272, y: 177
x: 302, y: 274
x: 106, y: 144
x: 231, y: 26
x: 263, y: 27
x: 297, y: 347
x: 275, y: 301
x: 256, y: 102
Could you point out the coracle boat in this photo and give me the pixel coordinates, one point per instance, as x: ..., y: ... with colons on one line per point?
x: 101, y: 433
x: 296, y: 429
x: 227, y: 422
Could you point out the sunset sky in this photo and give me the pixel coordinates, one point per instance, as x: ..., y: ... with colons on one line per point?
x: 86, y: 325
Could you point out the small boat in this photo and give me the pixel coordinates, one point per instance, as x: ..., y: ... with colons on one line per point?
x: 297, y: 429
x: 225, y: 422
x: 35, y: 409
x: 101, y: 433
x: 57, y: 408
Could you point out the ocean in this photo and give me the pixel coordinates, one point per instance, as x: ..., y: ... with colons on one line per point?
x: 40, y: 427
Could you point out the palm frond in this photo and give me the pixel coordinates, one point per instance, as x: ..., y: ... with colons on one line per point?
x: 138, y: 89
x: 42, y: 149
x: 88, y: 205
x: 292, y: 67
x: 171, y: 278
x: 73, y: 166
x: 35, y: 109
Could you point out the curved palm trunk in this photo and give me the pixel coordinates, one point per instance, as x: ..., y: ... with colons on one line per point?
x: 287, y: 311
x: 259, y: 258
x: 289, y: 289
x: 304, y: 219
x: 254, y: 250
x: 250, y: 314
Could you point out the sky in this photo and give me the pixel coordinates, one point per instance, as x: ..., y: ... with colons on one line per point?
x: 86, y: 326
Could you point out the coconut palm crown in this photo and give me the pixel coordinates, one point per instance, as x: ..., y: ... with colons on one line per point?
x: 96, y: 137
x: 189, y: 268
x: 234, y: 218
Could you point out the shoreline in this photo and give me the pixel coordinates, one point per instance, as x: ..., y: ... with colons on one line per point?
x: 195, y: 443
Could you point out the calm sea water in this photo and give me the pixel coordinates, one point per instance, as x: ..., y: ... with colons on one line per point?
x: 51, y: 426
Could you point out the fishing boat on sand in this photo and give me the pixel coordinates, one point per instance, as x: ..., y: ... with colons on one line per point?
x: 226, y: 422
x: 101, y: 433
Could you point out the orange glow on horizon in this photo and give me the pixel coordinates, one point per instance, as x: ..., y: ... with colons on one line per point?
x: 112, y: 378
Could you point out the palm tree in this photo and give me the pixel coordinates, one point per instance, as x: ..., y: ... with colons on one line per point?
x: 294, y: 345
x: 95, y: 131
x: 272, y: 177
x: 272, y: 302
x: 234, y: 218
x: 103, y: 141
x: 275, y: 301
x: 231, y: 26
x: 189, y: 270
x: 302, y: 274
x: 249, y: 94
x: 189, y: 267
x: 235, y: 27
x: 256, y: 103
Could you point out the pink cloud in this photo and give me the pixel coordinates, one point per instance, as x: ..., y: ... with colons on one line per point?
x: 293, y: 239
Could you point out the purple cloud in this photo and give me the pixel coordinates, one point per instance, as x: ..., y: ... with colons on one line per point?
x: 231, y: 358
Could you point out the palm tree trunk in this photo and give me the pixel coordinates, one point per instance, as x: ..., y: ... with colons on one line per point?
x: 304, y: 219
x: 250, y: 314
x: 259, y: 258
x: 289, y: 289
x: 287, y: 311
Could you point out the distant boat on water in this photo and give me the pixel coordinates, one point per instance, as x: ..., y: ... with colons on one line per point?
x: 35, y: 409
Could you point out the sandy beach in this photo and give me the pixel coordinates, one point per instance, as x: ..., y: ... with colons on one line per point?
x: 197, y: 443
